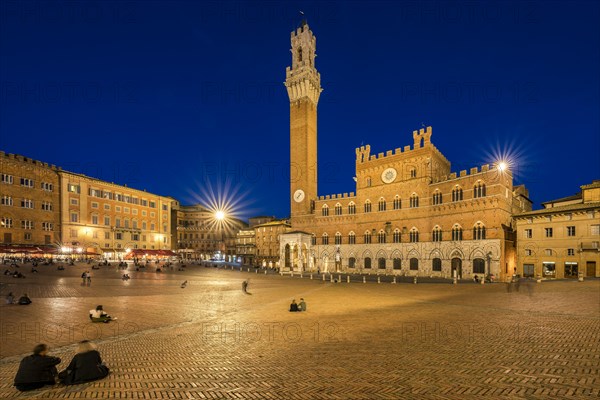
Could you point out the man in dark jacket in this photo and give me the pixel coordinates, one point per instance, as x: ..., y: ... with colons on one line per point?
x: 36, y: 370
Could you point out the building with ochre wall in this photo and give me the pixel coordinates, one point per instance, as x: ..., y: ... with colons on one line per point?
x: 562, y: 240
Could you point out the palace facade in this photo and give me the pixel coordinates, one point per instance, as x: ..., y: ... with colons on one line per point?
x: 409, y: 213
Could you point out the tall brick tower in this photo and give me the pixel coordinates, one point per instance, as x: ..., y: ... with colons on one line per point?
x: 303, y: 84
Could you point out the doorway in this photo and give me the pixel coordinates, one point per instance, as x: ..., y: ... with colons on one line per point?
x: 590, y: 268
x: 456, y: 264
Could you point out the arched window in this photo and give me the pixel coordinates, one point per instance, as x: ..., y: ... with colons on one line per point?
x: 368, y: 206
x: 457, y: 233
x: 351, y: 208
x: 338, y: 209
x: 437, y: 198
x: 414, y: 264
x: 367, y: 262
x: 436, y: 264
x: 413, y: 173
x: 436, y: 235
x: 325, y: 238
x: 478, y: 266
x: 414, y: 200
x: 368, y: 180
x: 351, y: 238
x: 414, y: 235
x: 381, y: 237
x: 479, y: 231
x: 397, y: 203
x: 367, y: 237
x: 397, y: 236
x: 457, y: 193
x: 338, y: 238
x: 314, y: 239
x: 351, y: 262
x: 479, y: 190
x: 325, y: 210
x: 299, y: 54
x: 381, y: 263
x: 381, y: 204
x: 397, y: 263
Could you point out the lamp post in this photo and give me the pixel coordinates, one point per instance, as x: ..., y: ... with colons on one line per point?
x: 489, y: 264
x: 220, y: 217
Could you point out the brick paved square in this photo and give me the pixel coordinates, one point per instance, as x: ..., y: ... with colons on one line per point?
x: 356, y: 341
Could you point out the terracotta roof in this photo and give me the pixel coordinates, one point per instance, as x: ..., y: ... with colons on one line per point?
x: 568, y: 198
x: 561, y: 209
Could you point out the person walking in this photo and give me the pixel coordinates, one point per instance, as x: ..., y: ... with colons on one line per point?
x: 37, y: 370
x: 89, y: 278
x: 245, y: 286
x: 10, y: 298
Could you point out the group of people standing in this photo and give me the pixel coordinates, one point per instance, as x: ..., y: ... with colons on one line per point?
x: 86, y: 277
x: 39, y: 369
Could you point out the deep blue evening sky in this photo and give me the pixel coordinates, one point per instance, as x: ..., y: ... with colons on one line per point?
x: 161, y: 95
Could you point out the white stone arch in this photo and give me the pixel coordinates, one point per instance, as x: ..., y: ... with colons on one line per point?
x: 381, y: 253
x: 367, y: 253
x: 435, y: 253
x: 456, y: 253
x: 396, y: 254
x: 413, y: 253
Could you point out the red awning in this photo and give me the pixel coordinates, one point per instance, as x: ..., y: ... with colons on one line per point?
x: 27, y: 249
x: 148, y: 252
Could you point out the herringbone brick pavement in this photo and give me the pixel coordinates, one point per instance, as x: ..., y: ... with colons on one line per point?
x: 356, y: 341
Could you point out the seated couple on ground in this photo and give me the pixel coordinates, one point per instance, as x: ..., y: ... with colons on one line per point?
x: 98, y: 315
x: 39, y: 369
x: 298, y: 307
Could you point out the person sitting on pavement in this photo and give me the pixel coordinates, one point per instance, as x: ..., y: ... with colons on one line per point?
x: 294, y: 306
x: 302, y: 305
x: 98, y: 315
x: 36, y: 370
x: 24, y: 300
x: 184, y: 284
x: 476, y: 279
x: 10, y: 298
x: 86, y: 365
x: 33, y: 270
